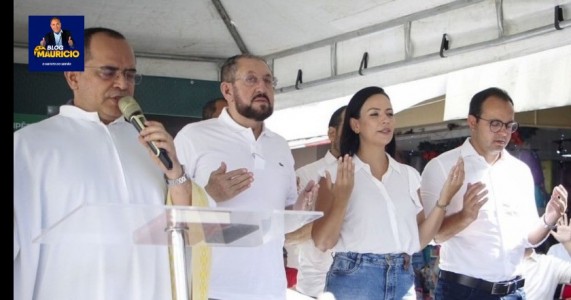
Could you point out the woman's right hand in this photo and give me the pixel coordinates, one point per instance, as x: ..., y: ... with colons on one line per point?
x: 453, y: 182
x: 344, y: 182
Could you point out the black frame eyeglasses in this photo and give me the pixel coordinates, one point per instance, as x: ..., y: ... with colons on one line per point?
x: 111, y: 73
x: 497, y: 125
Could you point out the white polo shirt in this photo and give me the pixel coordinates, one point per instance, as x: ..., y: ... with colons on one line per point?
x: 542, y: 274
x: 492, y: 246
x: 249, y: 272
x: 381, y: 215
x: 313, y: 264
x: 558, y: 250
x: 314, y: 170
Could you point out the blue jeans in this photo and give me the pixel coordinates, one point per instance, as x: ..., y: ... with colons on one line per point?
x: 447, y: 290
x: 364, y: 276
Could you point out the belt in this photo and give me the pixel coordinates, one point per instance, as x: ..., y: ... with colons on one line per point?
x: 494, y: 288
x: 388, y: 258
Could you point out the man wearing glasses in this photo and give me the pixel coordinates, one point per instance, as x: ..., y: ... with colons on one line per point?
x: 483, y: 238
x: 242, y: 164
x: 88, y: 153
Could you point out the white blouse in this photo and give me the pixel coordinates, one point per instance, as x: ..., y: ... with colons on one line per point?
x: 381, y: 216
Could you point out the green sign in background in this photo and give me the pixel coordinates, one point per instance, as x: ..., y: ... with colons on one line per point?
x: 21, y: 120
x: 35, y: 91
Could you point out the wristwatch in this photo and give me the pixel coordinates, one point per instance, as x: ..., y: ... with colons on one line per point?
x: 177, y: 181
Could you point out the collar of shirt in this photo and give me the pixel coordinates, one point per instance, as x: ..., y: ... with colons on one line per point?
x: 534, y: 256
x: 78, y: 113
x: 227, y: 119
x: 467, y: 150
x: 393, y: 165
x: 329, y: 158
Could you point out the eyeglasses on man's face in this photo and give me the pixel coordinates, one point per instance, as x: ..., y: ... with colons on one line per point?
x: 111, y: 73
x: 497, y: 125
x: 253, y: 80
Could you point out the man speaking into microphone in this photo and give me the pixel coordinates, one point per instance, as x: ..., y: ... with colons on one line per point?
x: 134, y: 114
x: 89, y: 153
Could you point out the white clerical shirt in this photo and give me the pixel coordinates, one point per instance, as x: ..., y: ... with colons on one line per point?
x: 66, y: 161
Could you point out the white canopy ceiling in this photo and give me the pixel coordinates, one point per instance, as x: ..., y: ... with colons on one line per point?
x: 327, y: 40
x: 537, y: 81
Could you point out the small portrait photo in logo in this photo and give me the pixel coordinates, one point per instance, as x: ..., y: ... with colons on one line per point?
x: 55, y: 43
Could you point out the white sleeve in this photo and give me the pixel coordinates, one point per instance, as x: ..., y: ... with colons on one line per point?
x: 558, y: 250
x: 414, y: 186
x: 186, y: 154
x: 562, y: 269
x: 431, y: 183
x: 185, y: 150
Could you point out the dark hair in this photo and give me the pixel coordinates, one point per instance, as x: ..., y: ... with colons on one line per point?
x: 480, y: 97
x: 228, y: 69
x: 336, y: 117
x: 90, y: 32
x: 349, y: 139
x: 210, y: 107
x: 391, y: 147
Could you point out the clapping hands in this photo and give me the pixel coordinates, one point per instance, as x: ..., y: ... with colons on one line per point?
x: 344, y: 180
x: 557, y: 205
x: 307, y: 196
x: 454, y: 181
x: 563, y: 233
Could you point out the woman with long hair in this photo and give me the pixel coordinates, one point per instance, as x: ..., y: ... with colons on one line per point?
x: 373, y: 217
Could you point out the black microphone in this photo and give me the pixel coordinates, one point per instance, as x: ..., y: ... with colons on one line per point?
x: 134, y: 114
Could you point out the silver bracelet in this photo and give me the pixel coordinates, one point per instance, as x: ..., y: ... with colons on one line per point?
x: 443, y: 207
x: 177, y: 181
